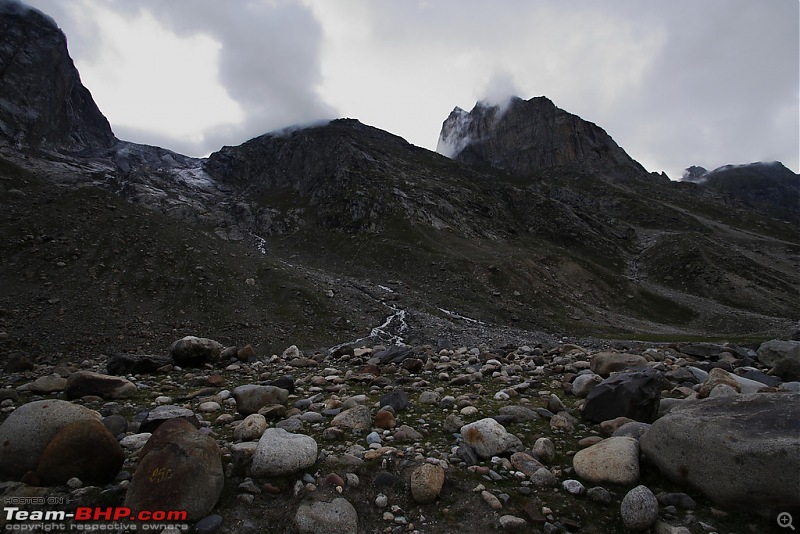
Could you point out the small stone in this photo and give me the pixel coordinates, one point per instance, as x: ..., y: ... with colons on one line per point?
x: 337, y: 516
x: 209, y: 407
x: 429, y: 397
x: 573, y: 487
x: 208, y: 525
x: 426, y: 483
x: 599, y: 494
x: 251, y: 428
x: 384, y: 419
x: 356, y: 418
x: 639, y: 508
x: 544, y: 478
x: 491, y: 500
x: 583, y: 384
x: 544, y: 449
x: 511, y: 522
x: 381, y: 501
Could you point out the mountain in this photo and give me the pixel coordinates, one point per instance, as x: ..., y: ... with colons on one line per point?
x: 524, y: 136
x: 43, y: 103
x: 769, y: 188
x: 539, y: 223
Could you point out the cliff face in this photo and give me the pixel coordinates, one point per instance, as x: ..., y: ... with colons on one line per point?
x: 528, y: 135
x: 42, y: 101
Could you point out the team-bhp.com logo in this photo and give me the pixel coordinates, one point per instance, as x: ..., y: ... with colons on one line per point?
x: 118, y: 518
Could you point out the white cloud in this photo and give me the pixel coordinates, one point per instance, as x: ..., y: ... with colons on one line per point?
x: 167, y: 85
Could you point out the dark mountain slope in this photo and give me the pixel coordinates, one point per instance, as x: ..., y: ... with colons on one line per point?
x: 339, y: 226
x: 43, y: 103
x: 769, y: 188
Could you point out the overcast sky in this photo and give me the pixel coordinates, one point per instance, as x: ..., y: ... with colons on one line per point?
x: 674, y: 82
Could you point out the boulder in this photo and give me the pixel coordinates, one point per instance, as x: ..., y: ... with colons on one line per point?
x: 83, y: 449
x: 250, y: 397
x: 133, y: 364
x: 639, y: 508
x: 180, y: 469
x: 783, y: 357
x: 738, y: 451
x: 83, y: 383
x: 27, y: 431
x: 634, y: 395
x: 281, y: 453
x: 605, y: 363
x: 426, y: 483
x: 394, y: 354
x: 335, y: 517
x: 489, y: 438
x: 45, y: 384
x: 613, y: 460
x: 192, y: 351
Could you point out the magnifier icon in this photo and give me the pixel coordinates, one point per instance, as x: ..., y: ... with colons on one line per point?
x: 785, y: 520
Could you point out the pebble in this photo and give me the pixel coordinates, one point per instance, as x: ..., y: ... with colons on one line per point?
x: 574, y: 487
x: 491, y: 500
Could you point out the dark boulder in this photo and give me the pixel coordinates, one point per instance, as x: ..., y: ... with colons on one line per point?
x: 633, y: 395
x: 133, y: 364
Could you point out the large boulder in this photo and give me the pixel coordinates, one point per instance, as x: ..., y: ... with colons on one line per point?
x: 634, y: 395
x: 83, y: 449
x: 281, y: 453
x: 251, y: 397
x: 605, y: 363
x: 783, y: 357
x: 489, y: 438
x: 82, y: 383
x: 739, y: 451
x: 613, y: 460
x: 180, y: 469
x: 28, y: 430
x: 195, y: 351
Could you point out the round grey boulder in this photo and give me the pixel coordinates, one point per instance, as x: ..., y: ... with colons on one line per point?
x: 738, y: 451
x: 639, y: 508
x: 489, y: 438
x: 30, y: 428
x: 280, y: 453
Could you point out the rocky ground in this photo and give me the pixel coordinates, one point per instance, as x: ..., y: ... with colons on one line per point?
x: 546, y: 437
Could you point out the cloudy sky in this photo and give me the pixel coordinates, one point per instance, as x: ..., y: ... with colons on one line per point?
x: 675, y: 83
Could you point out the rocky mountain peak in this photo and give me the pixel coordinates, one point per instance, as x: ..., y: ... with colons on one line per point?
x: 43, y: 103
x: 523, y: 136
